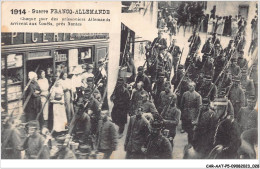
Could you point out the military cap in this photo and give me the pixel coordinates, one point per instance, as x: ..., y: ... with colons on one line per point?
x: 140, y: 68
x: 205, y: 101
x: 157, y: 121
x: 236, y: 78
x: 90, y: 79
x: 208, y: 77
x: 180, y: 67
x: 251, y: 98
x: 33, y: 124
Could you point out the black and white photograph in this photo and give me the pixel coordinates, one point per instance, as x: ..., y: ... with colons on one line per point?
x: 173, y: 80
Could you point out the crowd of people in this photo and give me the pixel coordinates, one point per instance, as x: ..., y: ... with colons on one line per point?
x: 214, y: 98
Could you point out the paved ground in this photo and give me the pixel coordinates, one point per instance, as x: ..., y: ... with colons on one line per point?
x: 181, y: 138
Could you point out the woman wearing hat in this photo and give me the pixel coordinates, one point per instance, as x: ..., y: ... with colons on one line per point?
x: 34, y: 93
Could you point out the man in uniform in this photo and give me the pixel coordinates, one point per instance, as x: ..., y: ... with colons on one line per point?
x: 142, y: 77
x: 136, y: 98
x: 175, y: 52
x: 224, y: 100
x: 164, y: 96
x: 64, y: 152
x: 137, y: 133
x: 208, y: 67
x: 217, y: 50
x: 208, y: 89
x: 207, y: 50
x: 190, y: 103
x: 236, y: 96
x: 194, y: 43
x: 158, y: 88
x: 204, y: 129
x: 234, y: 69
x: 157, y: 146
x: 121, y: 99
x: 167, y: 64
x: 248, y: 114
x: 241, y: 61
x: 147, y: 105
x: 159, y: 44
x: 171, y: 116
x: 219, y: 64
x: 34, y: 145
x: 247, y: 85
x: 215, y: 39
x: 228, y: 51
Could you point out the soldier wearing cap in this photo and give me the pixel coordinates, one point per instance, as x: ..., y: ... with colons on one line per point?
x: 208, y: 89
x: 164, y: 96
x: 137, y: 133
x: 159, y: 44
x: 208, y: 67
x: 157, y: 146
x: 190, y: 103
x: 234, y: 69
x: 199, y: 81
x: 248, y: 115
x: 207, y: 49
x: 247, y: 85
x: 171, y: 116
x: 223, y: 99
x: 229, y: 50
x: 167, y: 64
x: 241, y: 61
x: 142, y: 77
x: 195, y: 42
x: 147, y: 105
x: 158, y: 88
x: 219, y: 64
x: 175, y: 52
x: 35, y: 142
x: 215, y: 39
x: 217, y: 50
x: 10, y: 139
x: 121, y: 100
x: 236, y: 96
x: 204, y: 129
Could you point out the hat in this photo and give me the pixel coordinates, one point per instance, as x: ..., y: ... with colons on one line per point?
x: 205, y: 101
x: 140, y: 68
x: 90, y: 79
x: 90, y: 66
x: 208, y: 78
x: 180, y: 67
x: 161, y: 74
x: 157, y: 122
x: 236, y: 78
x: 222, y: 92
x: 33, y: 124
x: 251, y: 98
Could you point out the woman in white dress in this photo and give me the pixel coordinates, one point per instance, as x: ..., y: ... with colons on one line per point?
x: 220, y: 26
x: 59, y: 112
x: 67, y: 88
x: 44, y: 86
x: 210, y: 26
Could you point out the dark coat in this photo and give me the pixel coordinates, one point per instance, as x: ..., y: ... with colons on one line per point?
x: 248, y: 119
x: 161, y: 42
x: 158, y: 147
x: 66, y: 153
x: 145, y: 80
x: 106, y: 136
x: 171, y: 119
x: 137, y: 133
x: 205, y: 89
x: 237, y: 98
x: 34, y: 105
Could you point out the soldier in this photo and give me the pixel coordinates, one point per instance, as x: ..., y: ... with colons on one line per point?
x: 147, y: 105
x: 204, y: 129
x: 208, y: 89
x: 234, y: 69
x: 167, y: 64
x: 207, y: 50
x: 157, y: 146
x: 225, y: 80
x: 158, y: 88
x: 137, y: 133
x: 82, y: 129
x: 227, y: 136
x: 107, y: 138
x: 121, y: 99
x: 142, y: 77
x: 217, y: 50
x: 208, y: 67
x: 10, y: 139
x: 254, y: 76
x: 199, y: 81
x: 190, y: 103
x: 136, y: 99
x: 248, y: 114
x: 219, y: 64
x: 194, y: 43
x: 228, y: 51
x: 175, y: 52
x: 223, y: 100
x: 158, y: 45
x: 240, y: 42
x: 64, y: 152
x: 241, y: 61
x: 164, y: 96
x: 247, y: 85
x: 34, y: 145
x: 215, y: 39
x: 236, y: 96
x: 171, y: 117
